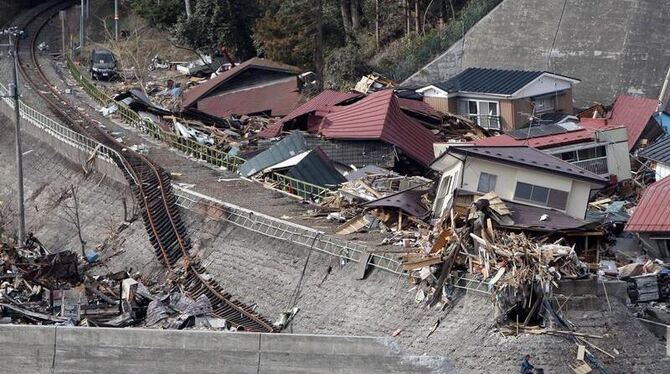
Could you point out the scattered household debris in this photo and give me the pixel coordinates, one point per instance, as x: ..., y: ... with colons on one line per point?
x: 58, y: 288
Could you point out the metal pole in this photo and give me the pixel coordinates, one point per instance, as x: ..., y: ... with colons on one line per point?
x: 63, y: 15
x: 19, y: 155
x: 116, y: 20
x: 81, y: 27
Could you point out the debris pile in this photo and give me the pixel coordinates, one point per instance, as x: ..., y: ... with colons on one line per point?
x: 39, y: 288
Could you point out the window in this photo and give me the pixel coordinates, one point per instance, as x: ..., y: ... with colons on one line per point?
x: 544, y: 104
x: 485, y: 113
x: 541, y: 195
x: 487, y: 182
x: 443, y: 190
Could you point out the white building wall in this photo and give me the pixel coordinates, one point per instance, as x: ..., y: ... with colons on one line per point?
x: 662, y: 171
x: 618, y: 156
x: 508, y: 176
x: 543, y: 85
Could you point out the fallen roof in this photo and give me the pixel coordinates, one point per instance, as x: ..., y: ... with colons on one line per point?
x: 659, y: 151
x: 276, y: 98
x: 420, y: 108
x: 491, y: 81
x: 197, y: 92
x: 316, y: 168
x: 379, y: 116
x: 527, y: 217
x: 634, y: 113
x: 409, y: 201
x: 651, y: 213
x: 322, y: 100
x: 528, y: 157
x: 288, y: 147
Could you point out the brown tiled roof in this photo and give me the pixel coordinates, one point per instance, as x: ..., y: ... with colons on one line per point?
x: 277, y: 98
x: 379, y: 116
x: 197, y: 92
x: 634, y: 113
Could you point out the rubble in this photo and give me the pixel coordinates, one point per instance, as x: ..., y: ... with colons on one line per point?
x: 40, y: 288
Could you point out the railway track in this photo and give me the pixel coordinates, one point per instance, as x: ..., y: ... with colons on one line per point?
x: 149, y: 182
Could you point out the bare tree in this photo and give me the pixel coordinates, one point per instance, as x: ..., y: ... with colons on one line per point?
x: 187, y: 5
x: 318, y: 44
x: 71, y: 213
x: 355, y: 14
x: 133, y: 52
x: 345, y: 9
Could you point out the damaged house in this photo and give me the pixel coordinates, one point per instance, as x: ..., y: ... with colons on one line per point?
x: 518, y: 173
x: 659, y: 155
x: 254, y: 87
x: 651, y: 221
x: 501, y: 99
x: 589, y: 144
x: 360, y: 131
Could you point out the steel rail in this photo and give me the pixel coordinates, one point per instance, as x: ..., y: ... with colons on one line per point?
x: 149, y: 182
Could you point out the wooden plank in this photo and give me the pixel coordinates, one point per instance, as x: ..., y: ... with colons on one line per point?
x: 581, y: 351
x: 362, y: 266
x: 441, y: 240
x: 418, y: 264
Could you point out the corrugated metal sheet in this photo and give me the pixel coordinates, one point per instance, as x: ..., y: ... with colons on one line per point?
x: 492, y: 81
x: 380, y: 117
x: 322, y: 100
x: 197, y: 92
x: 634, y: 113
x: 659, y: 151
x: 419, y: 108
x: 288, y: 147
x: 529, y: 157
x: 276, y: 99
x: 651, y: 213
x: 317, y: 168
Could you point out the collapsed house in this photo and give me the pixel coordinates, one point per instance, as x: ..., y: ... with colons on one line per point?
x: 501, y: 99
x: 589, y: 144
x: 651, y: 221
x: 659, y: 155
x: 517, y: 173
x: 374, y: 128
x: 254, y: 87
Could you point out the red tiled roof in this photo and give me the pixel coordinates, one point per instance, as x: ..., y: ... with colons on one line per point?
x: 418, y: 106
x: 587, y: 132
x: 634, y: 113
x: 651, y: 213
x: 194, y: 94
x: 379, y: 116
x: 324, y: 99
x: 278, y: 98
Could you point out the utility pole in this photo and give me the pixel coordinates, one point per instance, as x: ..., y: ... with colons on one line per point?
x: 116, y: 20
x: 63, y: 15
x: 81, y: 27
x: 15, y: 33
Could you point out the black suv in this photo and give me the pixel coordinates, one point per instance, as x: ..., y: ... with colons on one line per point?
x: 102, y: 64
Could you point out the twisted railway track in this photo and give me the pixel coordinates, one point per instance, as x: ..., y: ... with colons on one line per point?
x: 149, y: 182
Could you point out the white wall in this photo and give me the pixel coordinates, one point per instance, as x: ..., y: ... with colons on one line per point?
x: 452, y: 167
x: 508, y: 176
x: 543, y: 85
x: 618, y: 158
x: 662, y: 171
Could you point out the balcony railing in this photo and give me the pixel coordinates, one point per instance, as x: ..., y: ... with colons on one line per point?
x: 594, y: 165
x: 486, y: 121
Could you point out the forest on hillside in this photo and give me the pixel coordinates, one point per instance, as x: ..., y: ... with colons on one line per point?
x: 339, y: 40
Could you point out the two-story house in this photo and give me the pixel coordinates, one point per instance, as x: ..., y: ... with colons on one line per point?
x: 517, y: 173
x: 501, y: 99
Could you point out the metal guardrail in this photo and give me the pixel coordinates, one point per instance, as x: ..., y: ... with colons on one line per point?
x: 65, y: 134
x: 245, y: 218
x: 594, y: 165
x: 486, y: 121
x: 285, y: 231
x: 211, y: 155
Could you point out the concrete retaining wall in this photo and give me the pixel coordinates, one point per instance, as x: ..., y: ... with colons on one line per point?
x: 51, y: 349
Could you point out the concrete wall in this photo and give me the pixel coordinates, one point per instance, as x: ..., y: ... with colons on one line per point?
x: 68, y: 151
x: 613, y: 46
x: 51, y: 349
